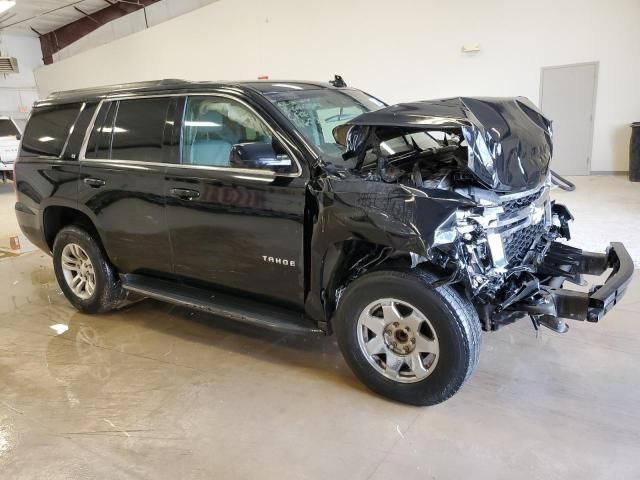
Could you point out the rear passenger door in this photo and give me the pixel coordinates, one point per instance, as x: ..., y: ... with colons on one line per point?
x: 122, y: 179
x: 236, y: 221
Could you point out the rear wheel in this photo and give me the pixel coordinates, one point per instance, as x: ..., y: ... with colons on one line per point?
x: 83, y: 272
x: 406, y: 340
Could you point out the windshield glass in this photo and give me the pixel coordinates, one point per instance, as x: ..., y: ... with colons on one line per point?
x: 7, y: 128
x: 315, y: 113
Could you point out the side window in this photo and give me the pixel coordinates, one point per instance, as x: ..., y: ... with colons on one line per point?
x: 138, y: 129
x: 221, y: 132
x: 48, y: 129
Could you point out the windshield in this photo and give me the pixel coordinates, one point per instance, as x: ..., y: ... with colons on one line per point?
x: 315, y: 113
x: 7, y: 128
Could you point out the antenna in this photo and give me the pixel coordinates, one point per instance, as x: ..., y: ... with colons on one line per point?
x: 338, y: 81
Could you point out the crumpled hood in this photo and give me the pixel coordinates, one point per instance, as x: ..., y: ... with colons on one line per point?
x: 508, y: 139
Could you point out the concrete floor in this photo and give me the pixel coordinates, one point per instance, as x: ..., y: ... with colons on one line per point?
x: 606, y: 208
x: 156, y: 391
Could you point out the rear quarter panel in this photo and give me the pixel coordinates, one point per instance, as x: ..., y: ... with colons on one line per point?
x: 42, y: 182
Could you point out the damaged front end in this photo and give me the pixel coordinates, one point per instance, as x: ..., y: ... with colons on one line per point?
x: 512, y: 264
x: 463, y: 185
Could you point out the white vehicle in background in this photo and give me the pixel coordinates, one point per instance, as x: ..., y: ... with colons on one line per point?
x: 9, y: 142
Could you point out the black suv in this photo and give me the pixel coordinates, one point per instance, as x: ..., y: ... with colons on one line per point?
x: 303, y: 207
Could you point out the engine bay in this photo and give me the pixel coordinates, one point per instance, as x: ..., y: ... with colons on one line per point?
x: 496, y: 249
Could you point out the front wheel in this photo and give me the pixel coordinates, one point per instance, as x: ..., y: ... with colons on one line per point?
x: 405, y: 339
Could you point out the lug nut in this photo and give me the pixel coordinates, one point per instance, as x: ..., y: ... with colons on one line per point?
x: 396, y: 324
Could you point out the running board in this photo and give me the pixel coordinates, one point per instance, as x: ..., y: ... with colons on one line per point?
x: 242, y: 310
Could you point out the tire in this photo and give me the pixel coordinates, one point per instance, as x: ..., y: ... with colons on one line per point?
x: 107, y: 293
x: 446, y: 344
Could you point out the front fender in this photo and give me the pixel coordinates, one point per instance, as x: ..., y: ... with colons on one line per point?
x: 395, y: 216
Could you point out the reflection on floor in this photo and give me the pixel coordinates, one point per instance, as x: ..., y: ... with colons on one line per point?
x: 156, y: 391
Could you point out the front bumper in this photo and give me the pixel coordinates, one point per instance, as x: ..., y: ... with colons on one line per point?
x: 565, y: 261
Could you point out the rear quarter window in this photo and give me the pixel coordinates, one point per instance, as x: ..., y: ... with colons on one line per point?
x: 48, y: 129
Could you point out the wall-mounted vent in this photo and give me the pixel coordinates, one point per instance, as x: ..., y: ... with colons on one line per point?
x: 8, y: 65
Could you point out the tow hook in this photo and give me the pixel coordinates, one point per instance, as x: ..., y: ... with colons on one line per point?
x: 556, y: 324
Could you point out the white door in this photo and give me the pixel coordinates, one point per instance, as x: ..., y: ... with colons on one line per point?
x: 567, y: 98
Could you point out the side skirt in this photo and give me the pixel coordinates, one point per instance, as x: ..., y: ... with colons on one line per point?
x: 244, y: 310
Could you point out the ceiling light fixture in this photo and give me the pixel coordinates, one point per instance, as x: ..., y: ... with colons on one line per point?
x: 6, y: 5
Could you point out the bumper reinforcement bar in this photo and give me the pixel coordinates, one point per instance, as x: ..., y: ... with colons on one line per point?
x: 563, y: 260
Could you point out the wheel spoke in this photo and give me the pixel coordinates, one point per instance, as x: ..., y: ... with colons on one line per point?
x: 89, y: 287
x: 373, y: 323
x: 78, y: 285
x: 69, y: 263
x: 390, y: 313
x: 413, y: 321
x: 76, y: 281
x: 425, y: 345
x: 375, y: 345
x: 415, y: 364
x: 394, y: 363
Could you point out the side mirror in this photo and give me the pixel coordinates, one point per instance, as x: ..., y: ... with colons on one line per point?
x: 260, y: 156
x: 18, y: 136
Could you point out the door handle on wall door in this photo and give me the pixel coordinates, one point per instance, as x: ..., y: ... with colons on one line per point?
x: 184, y: 193
x: 94, y: 182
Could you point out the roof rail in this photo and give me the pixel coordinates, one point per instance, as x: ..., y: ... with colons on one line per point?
x: 115, y: 87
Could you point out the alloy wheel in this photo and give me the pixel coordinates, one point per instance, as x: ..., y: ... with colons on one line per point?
x: 398, y: 340
x: 78, y: 271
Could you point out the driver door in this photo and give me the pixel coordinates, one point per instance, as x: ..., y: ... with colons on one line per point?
x: 235, y: 226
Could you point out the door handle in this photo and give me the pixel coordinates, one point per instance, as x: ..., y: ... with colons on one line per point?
x: 94, y: 182
x: 184, y: 193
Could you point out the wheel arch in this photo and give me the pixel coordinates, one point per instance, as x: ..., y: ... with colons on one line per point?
x: 56, y: 217
x: 344, y: 261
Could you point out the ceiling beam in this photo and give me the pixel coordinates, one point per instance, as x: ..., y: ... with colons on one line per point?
x: 87, y: 15
x: 64, y: 36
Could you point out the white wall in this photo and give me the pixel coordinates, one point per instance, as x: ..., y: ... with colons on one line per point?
x: 18, y: 90
x: 400, y: 50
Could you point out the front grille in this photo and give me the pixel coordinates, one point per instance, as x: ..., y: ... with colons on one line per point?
x: 517, y: 227
x: 518, y: 243
x: 511, y: 206
x: 520, y: 236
